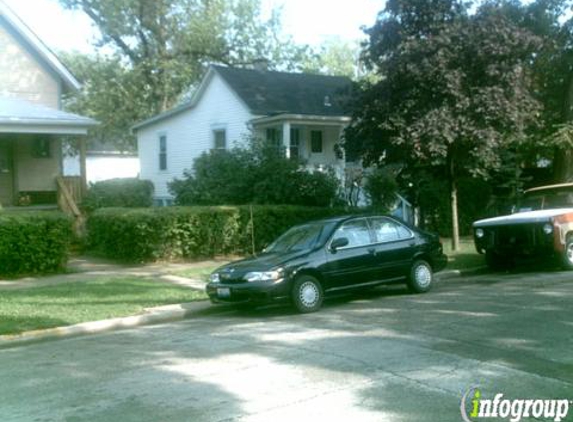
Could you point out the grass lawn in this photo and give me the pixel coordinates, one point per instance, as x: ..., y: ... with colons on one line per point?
x: 198, y: 273
x: 466, y: 258
x: 71, y: 303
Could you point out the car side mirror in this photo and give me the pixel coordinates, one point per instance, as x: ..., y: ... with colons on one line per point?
x: 338, y: 243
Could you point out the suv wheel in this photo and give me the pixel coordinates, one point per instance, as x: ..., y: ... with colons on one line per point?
x: 421, y: 277
x: 568, y: 253
x: 307, y: 294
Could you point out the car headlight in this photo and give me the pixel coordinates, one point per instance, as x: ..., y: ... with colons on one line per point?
x: 547, y: 228
x: 480, y: 233
x: 263, y: 276
x: 214, y: 278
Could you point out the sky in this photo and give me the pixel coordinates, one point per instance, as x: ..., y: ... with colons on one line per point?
x: 308, y: 21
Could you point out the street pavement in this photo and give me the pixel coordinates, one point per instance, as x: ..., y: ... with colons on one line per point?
x: 384, y: 355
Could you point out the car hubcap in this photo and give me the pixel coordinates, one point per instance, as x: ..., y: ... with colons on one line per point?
x: 423, y: 275
x: 570, y: 252
x: 308, y: 294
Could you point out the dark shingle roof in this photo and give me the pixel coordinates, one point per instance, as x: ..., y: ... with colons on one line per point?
x: 269, y: 93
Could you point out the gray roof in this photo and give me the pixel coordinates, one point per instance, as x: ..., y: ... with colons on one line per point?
x: 9, y: 18
x: 17, y: 112
x: 269, y: 93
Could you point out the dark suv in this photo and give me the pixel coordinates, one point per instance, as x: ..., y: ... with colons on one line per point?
x: 331, y: 255
x: 541, y: 227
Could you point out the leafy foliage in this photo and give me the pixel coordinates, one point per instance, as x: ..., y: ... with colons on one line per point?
x: 381, y: 187
x: 454, y: 89
x: 172, y: 233
x: 155, y: 51
x: 33, y: 242
x: 126, y: 192
x: 258, y: 174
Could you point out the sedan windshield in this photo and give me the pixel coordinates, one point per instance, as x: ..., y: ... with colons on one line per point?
x: 297, y: 239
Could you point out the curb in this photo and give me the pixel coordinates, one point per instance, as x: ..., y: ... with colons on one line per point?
x: 450, y: 274
x: 150, y: 316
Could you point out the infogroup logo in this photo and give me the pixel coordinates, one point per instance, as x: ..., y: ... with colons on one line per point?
x: 475, y: 407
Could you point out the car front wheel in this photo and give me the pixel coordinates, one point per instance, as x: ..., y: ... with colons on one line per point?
x: 421, y: 277
x: 568, y: 253
x: 307, y: 294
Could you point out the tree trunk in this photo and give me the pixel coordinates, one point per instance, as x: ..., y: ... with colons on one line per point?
x: 455, y: 224
x: 454, y: 202
x: 563, y: 158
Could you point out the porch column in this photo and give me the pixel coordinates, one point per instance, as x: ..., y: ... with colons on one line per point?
x: 286, y: 138
x: 83, y: 172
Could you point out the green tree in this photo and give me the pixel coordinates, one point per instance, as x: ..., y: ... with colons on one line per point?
x: 156, y: 50
x: 454, y: 89
x: 334, y: 57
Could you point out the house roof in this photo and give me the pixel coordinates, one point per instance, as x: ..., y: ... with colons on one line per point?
x: 19, y: 116
x: 270, y: 93
x: 47, y: 56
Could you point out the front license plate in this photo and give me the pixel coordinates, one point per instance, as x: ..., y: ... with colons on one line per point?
x: 223, y: 292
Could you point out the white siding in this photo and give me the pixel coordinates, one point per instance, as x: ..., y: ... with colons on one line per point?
x: 22, y: 76
x: 190, y: 133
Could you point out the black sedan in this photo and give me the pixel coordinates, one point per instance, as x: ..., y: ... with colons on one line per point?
x: 321, y: 257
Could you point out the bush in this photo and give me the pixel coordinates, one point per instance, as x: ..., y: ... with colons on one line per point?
x: 258, y: 174
x: 382, y: 187
x: 33, y: 242
x: 173, y: 233
x: 127, y: 192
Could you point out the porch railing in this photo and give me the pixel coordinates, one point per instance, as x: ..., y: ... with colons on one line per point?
x: 70, y: 194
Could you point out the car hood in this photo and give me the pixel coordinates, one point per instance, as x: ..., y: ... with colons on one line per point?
x: 263, y: 262
x: 539, y: 216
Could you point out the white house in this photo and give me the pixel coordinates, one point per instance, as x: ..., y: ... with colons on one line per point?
x: 303, y: 112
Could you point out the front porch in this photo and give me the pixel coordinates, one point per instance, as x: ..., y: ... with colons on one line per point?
x: 31, y: 171
x: 312, y: 139
x: 31, y: 157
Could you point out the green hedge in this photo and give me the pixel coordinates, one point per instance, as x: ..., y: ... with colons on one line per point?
x: 172, y: 233
x: 121, y: 192
x: 33, y: 242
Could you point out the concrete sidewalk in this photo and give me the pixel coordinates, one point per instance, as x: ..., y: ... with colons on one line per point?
x: 90, y: 268
x: 86, y: 268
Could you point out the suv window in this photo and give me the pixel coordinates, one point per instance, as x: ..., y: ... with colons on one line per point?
x: 356, y: 231
x: 386, y: 230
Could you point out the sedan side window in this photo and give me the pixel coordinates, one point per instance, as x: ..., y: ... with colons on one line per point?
x: 386, y: 230
x: 356, y: 231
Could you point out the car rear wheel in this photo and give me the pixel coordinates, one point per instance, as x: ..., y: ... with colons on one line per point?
x: 421, y: 277
x: 568, y: 253
x: 307, y: 294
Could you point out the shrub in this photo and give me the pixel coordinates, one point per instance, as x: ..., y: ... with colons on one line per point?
x: 381, y: 186
x: 127, y: 192
x: 173, y: 233
x: 258, y: 174
x: 33, y: 242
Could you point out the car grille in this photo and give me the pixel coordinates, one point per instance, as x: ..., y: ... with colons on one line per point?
x: 519, y: 237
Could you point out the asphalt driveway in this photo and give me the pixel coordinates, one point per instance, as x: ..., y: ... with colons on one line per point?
x: 381, y: 356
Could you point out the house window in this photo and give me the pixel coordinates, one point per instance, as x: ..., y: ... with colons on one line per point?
x: 163, y: 152
x: 220, y: 139
x: 41, y: 148
x: 316, y: 141
x: 294, y: 148
x: 274, y: 137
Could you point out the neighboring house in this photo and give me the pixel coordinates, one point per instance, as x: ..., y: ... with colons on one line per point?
x: 32, y: 124
x: 103, y: 162
x: 303, y: 113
